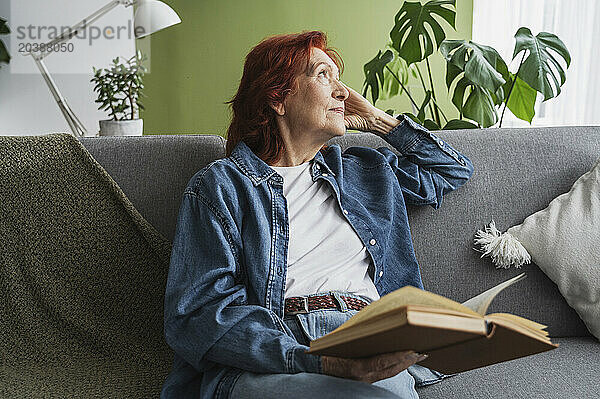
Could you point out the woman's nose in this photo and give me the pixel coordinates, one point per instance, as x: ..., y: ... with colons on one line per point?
x: 340, y: 92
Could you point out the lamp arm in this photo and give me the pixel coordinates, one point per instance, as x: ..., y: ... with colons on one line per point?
x: 74, y: 30
x: 74, y: 122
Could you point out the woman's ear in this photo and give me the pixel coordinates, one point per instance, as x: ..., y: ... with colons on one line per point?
x: 278, y: 107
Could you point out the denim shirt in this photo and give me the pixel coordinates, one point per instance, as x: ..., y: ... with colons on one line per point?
x: 224, y: 299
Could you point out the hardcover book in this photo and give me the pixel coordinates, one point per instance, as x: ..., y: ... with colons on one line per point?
x: 457, y: 337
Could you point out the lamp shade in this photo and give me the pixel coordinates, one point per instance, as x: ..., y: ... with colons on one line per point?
x: 152, y: 16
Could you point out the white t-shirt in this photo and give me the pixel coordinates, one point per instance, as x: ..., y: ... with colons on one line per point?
x: 324, y: 252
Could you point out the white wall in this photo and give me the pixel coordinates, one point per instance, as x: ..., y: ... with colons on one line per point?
x: 26, y: 104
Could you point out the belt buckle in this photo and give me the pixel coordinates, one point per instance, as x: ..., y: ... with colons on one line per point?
x: 302, y: 311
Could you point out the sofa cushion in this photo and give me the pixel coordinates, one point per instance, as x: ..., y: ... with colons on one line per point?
x: 568, y: 371
x: 563, y: 240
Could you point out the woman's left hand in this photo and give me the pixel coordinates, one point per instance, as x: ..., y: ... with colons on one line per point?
x: 360, y: 114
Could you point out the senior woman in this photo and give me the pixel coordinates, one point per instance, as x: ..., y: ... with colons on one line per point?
x: 285, y: 239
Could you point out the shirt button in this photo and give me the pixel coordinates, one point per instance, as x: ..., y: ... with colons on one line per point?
x: 325, y: 174
x: 345, y: 212
x: 318, y: 166
x: 381, y: 273
x: 372, y: 242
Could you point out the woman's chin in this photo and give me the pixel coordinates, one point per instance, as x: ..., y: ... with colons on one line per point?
x: 339, y: 130
x: 335, y: 131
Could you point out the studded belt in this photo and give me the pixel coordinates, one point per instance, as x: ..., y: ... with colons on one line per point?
x: 305, y: 304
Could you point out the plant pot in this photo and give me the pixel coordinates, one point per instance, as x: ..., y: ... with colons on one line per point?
x: 127, y: 127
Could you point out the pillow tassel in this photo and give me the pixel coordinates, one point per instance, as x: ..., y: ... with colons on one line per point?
x: 504, y: 249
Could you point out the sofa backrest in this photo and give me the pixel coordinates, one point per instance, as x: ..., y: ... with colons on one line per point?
x: 517, y: 172
x: 154, y: 170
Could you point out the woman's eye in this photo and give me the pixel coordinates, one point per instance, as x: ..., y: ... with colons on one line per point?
x: 325, y: 71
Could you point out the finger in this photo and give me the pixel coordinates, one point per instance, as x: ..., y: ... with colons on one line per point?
x: 388, y: 372
x: 408, y: 360
x: 354, y: 122
x: 403, y: 364
x: 386, y: 360
x: 350, y: 122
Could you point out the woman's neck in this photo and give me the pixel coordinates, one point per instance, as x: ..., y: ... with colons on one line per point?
x: 288, y: 159
x: 298, y: 152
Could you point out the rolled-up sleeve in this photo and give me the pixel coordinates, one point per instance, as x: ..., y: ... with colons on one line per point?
x: 207, y: 317
x: 428, y: 167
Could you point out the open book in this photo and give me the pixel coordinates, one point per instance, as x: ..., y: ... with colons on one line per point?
x: 457, y: 337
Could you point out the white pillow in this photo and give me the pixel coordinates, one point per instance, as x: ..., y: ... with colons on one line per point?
x: 564, y: 241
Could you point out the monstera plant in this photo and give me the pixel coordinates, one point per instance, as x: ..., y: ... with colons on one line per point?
x: 4, y: 56
x: 477, y: 78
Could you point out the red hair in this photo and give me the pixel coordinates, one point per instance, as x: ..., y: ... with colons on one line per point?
x: 270, y: 73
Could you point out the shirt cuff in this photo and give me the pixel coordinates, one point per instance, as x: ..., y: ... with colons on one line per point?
x: 406, y: 135
x: 301, y: 362
x: 409, y: 133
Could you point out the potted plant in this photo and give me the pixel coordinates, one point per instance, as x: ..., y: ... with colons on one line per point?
x: 119, y: 90
x: 4, y: 56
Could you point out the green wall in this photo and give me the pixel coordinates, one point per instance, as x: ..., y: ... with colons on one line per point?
x: 196, y: 65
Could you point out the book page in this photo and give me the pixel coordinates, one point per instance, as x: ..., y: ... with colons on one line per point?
x: 519, y: 327
x: 481, y: 302
x: 407, y: 295
x: 519, y: 320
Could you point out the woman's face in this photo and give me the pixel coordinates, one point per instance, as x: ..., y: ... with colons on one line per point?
x: 317, y: 107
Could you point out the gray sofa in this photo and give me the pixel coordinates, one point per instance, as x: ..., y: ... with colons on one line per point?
x: 517, y: 172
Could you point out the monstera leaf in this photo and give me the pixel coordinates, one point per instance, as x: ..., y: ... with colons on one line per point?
x: 522, y: 99
x: 421, y: 113
x: 458, y: 97
x: 391, y: 87
x: 536, y: 67
x: 480, y: 107
x: 478, y: 62
x: 500, y: 94
x: 4, y: 56
x: 480, y: 65
x: 430, y: 124
x: 3, y: 27
x: 411, y: 19
x: 374, y: 76
x: 455, y: 124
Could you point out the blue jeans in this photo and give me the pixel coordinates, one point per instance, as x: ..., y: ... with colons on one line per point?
x: 312, y: 325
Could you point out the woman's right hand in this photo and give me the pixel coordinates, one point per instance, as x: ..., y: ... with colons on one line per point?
x: 370, y: 369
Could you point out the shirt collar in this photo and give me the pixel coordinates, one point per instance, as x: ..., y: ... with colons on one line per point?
x: 320, y: 160
x: 258, y: 170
